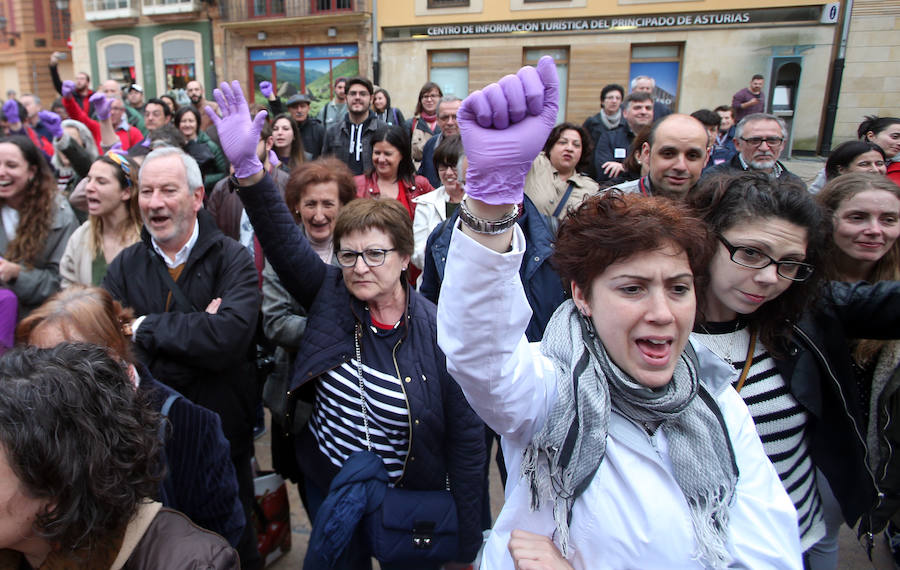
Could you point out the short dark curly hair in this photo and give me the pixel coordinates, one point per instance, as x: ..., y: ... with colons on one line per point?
x: 75, y: 432
x: 726, y: 200
x: 587, y: 145
x: 613, y: 226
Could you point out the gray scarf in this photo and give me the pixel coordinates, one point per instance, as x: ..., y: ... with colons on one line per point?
x: 562, y: 459
x: 611, y: 122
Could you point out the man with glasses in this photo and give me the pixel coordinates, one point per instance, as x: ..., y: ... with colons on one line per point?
x: 759, y: 140
x: 446, y: 121
x: 350, y: 139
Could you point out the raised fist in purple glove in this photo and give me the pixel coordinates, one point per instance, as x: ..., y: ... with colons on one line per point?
x: 238, y: 133
x: 503, y: 128
x: 11, y: 112
x: 68, y: 87
x: 52, y: 122
x: 266, y: 89
x: 102, y: 106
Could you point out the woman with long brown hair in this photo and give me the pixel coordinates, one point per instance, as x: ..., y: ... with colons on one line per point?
x: 114, y: 222
x: 36, y: 223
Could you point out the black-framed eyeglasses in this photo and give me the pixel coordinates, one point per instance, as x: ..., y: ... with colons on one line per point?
x: 371, y: 257
x: 755, y: 259
x: 773, y: 142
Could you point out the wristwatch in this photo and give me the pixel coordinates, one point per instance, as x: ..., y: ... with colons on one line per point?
x: 487, y: 227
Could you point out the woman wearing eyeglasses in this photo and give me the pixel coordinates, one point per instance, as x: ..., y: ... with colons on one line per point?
x: 369, y: 361
x: 758, y: 314
x: 432, y: 208
x: 114, y: 220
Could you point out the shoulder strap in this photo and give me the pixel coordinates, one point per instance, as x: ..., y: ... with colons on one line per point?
x: 563, y: 200
x: 181, y: 301
x: 166, y: 485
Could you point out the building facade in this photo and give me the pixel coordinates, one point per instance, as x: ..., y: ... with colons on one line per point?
x: 700, y: 53
x: 297, y: 45
x: 30, y: 31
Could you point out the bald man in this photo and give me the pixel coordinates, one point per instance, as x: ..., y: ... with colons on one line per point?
x: 675, y: 155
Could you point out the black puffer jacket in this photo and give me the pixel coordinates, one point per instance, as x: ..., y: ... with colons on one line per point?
x: 203, y: 356
x: 446, y: 438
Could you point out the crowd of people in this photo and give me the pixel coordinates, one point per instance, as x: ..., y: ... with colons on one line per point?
x: 687, y: 354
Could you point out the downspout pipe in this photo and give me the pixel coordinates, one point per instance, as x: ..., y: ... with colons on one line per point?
x: 837, y: 74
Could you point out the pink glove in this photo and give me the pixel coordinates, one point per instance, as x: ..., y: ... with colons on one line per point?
x: 503, y: 128
x: 52, y: 121
x: 273, y: 159
x: 102, y: 106
x: 11, y: 112
x: 266, y: 89
x: 68, y: 87
x: 238, y: 134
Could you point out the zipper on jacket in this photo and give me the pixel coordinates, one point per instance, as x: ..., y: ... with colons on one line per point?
x: 887, y: 442
x: 837, y: 384
x: 408, y: 412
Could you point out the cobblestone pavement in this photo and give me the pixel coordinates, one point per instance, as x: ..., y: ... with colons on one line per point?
x: 851, y: 555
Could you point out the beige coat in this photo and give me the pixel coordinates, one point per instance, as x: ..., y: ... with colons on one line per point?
x: 545, y: 188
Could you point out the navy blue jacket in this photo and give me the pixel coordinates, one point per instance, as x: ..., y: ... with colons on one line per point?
x: 446, y: 438
x: 200, y: 478
x: 543, y: 287
x: 427, y: 168
x: 619, y: 137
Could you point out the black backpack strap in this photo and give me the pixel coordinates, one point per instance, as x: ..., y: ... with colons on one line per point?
x: 181, y: 301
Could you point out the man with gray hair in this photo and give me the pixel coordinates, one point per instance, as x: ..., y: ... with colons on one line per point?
x: 759, y: 139
x: 646, y: 84
x: 446, y: 121
x: 194, y: 294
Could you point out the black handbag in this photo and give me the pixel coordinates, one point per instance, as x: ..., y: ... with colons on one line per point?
x: 410, y: 526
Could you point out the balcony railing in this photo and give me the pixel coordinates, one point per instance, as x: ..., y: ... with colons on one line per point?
x: 95, y: 10
x: 158, y: 7
x: 240, y: 10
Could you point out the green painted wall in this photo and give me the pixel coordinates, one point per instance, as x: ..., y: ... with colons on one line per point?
x: 146, y: 35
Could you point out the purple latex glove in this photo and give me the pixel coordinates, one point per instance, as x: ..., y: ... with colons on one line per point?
x: 504, y: 127
x: 238, y: 133
x: 266, y: 89
x: 11, y: 112
x: 273, y: 159
x: 102, y: 106
x: 68, y: 87
x: 52, y: 122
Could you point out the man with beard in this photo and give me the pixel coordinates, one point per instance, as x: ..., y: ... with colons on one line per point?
x: 82, y: 93
x: 675, y: 154
x: 759, y: 140
x: 197, y: 96
x: 350, y: 140
x: 749, y: 100
x: 335, y: 110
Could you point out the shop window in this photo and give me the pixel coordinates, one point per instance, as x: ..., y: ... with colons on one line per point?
x: 119, y: 58
x: 120, y: 63
x: 179, y: 62
x: 450, y: 70
x: 332, y: 5
x: 448, y: 3
x: 310, y: 69
x: 561, y: 56
x: 662, y: 62
x: 263, y: 8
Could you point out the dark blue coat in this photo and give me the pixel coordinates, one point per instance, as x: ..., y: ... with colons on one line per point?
x: 609, y: 141
x: 446, y: 438
x: 427, y: 168
x: 200, y: 478
x: 543, y: 287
